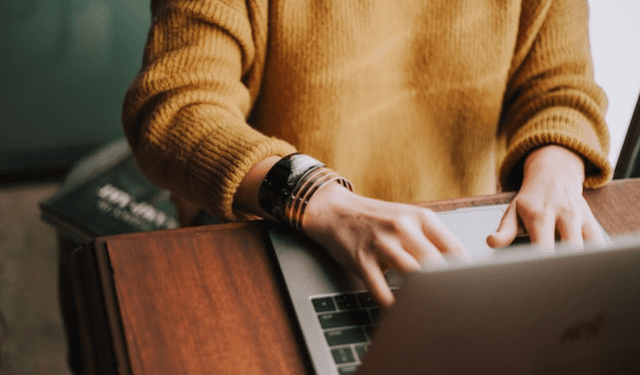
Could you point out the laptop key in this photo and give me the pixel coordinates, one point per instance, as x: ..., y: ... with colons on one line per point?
x: 366, y: 300
x: 323, y: 304
x: 347, y: 370
x: 343, y: 355
x: 376, y: 313
x: 345, y: 336
x: 346, y: 301
x: 361, y: 350
x: 344, y: 319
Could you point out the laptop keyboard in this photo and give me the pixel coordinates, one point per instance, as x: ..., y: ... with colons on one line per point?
x: 348, y: 322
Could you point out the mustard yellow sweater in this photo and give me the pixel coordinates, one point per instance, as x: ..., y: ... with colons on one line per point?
x: 410, y: 100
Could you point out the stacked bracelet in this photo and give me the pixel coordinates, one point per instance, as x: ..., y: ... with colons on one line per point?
x: 290, y: 184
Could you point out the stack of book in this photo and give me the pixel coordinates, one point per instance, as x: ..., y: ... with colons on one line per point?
x: 107, y: 194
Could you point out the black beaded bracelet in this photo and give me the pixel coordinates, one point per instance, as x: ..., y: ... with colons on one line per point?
x: 281, y: 181
x: 289, y: 185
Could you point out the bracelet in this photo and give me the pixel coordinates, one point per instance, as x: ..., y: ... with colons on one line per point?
x: 297, y: 203
x: 290, y: 184
x: 281, y: 180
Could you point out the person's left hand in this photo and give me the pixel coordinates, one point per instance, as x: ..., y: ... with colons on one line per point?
x: 550, y: 202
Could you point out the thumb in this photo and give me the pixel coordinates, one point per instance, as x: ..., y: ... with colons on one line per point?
x: 507, y: 230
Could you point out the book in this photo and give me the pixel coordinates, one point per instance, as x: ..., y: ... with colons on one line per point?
x: 114, y: 199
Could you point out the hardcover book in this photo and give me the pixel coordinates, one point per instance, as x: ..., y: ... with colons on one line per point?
x: 117, y: 199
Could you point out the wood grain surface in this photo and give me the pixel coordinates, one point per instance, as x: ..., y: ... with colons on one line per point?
x: 204, y: 302
x: 209, y: 300
x: 617, y: 206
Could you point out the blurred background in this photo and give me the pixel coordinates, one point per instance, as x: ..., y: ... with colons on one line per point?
x: 64, y: 68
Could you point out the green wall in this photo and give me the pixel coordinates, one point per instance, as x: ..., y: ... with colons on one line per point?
x: 64, y: 69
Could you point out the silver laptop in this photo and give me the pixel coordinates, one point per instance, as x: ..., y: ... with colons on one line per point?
x: 519, y: 310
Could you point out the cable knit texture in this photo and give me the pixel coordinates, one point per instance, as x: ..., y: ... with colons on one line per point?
x: 410, y: 100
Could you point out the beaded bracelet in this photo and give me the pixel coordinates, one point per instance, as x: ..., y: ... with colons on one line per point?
x: 290, y: 184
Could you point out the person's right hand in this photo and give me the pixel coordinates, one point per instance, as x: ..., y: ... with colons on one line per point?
x: 371, y: 236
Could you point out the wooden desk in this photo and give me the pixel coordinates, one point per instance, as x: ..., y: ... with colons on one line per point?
x: 207, y: 300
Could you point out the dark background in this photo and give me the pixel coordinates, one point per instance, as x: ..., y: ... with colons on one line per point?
x: 64, y: 68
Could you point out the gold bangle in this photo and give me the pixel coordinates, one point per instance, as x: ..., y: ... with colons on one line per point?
x: 301, y: 195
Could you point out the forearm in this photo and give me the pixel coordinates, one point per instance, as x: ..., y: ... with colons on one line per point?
x: 185, y: 113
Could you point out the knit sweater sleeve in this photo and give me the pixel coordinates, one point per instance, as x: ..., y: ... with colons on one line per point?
x: 185, y: 113
x: 551, y: 97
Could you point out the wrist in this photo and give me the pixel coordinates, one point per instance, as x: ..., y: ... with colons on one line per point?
x: 325, y: 206
x: 555, y: 161
x: 290, y: 184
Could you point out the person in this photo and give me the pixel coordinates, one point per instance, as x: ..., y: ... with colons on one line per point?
x: 237, y: 103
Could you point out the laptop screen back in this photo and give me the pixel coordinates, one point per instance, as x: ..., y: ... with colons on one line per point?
x: 527, y: 313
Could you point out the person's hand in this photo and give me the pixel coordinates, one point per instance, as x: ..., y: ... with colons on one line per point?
x: 365, y: 235
x: 550, y: 202
x: 371, y: 236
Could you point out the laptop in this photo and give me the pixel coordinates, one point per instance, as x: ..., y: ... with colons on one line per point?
x: 518, y: 310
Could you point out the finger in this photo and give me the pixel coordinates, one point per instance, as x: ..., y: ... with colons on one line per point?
x: 569, y: 220
x: 542, y: 229
x: 414, y: 243
x: 442, y: 239
x: 570, y: 231
x: 592, y: 232
x: 374, y: 278
x: 398, y: 259
x: 426, y: 252
x: 507, y: 230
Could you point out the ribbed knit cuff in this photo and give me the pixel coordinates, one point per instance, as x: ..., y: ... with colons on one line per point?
x: 564, y: 127
x: 220, y: 165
